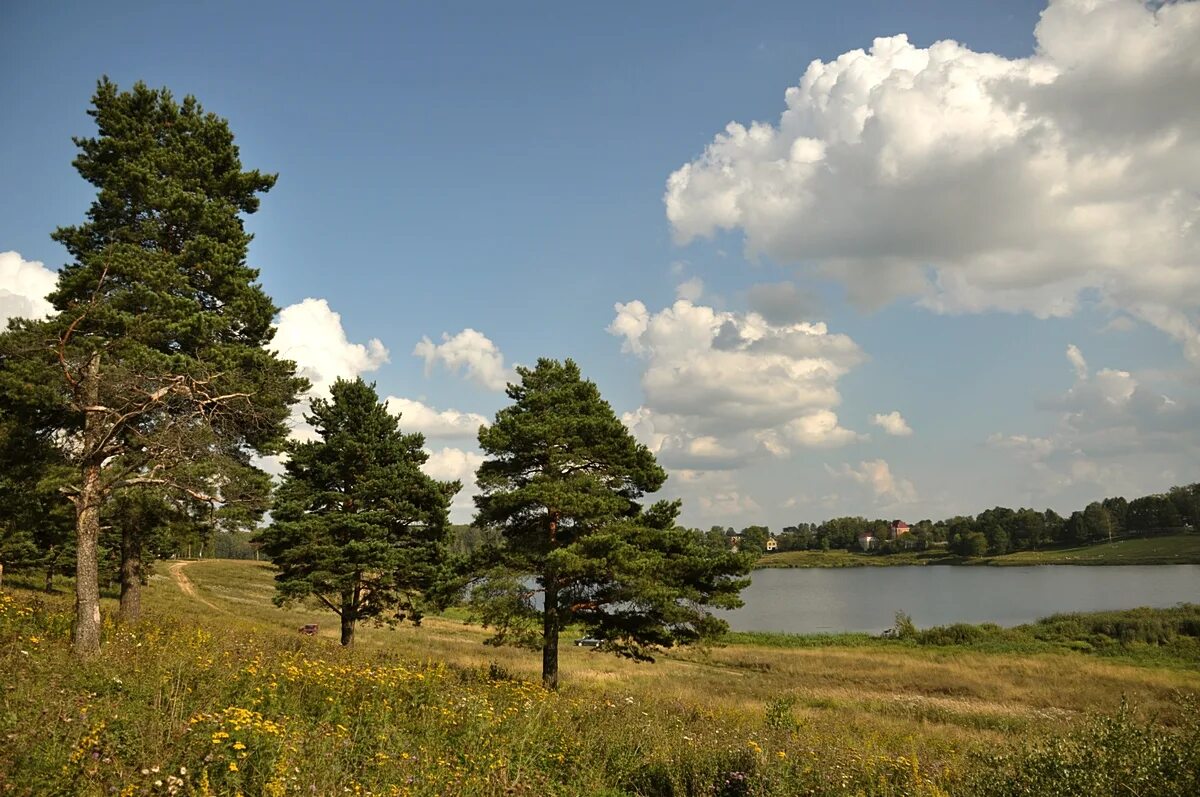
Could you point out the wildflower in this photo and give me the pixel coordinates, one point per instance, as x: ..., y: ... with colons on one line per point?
x: 233, y: 766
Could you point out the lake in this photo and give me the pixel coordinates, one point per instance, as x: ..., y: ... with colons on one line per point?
x: 817, y: 600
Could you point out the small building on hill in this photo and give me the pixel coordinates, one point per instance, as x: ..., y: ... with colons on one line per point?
x: 772, y: 544
x: 897, y: 529
x: 866, y: 540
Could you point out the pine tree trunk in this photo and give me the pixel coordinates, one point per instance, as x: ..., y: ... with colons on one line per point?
x: 550, y: 614
x: 131, y: 577
x: 550, y: 631
x: 85, y: 634
x: 347, y: 619
x: 1, y: 575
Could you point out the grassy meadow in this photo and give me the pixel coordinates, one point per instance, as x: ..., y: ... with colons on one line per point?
x: 1177, y: 549
x: 215, y: 693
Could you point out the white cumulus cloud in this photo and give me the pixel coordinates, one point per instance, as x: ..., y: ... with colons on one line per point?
x: 310, y: 333
x: 893, y: 423
x: 721, y: 386
x: 977, y: 182
x: 449, y: 464
x: 416, y: 416
x: 1077, y: 361
x: 471, y: 352
x: 24, y: 285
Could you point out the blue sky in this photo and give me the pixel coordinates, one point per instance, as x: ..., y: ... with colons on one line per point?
x: 502, y: 168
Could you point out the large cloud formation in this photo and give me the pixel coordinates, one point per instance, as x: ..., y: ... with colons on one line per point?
x: 720, y: 387
x: 310, y: 333
x: 24, y: 285
x: 977, y: 182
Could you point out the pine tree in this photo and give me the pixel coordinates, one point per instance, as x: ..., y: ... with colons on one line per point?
x: 356, y: 523
x: 563, y: 482
x: 156, y: 354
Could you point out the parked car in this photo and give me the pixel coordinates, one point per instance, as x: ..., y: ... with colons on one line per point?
x: 588, y: 642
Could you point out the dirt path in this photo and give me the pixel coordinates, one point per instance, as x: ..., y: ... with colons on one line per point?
x: 189, y: 589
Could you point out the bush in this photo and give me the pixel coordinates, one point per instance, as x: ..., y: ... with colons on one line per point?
x: 904, y: 627
x: 1108, y: 755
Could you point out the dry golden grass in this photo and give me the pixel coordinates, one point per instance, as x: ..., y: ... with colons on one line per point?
x: 218, y: 690
x: 899, y: 690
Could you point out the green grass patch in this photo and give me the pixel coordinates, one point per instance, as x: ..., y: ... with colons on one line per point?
x: 1165, y: 550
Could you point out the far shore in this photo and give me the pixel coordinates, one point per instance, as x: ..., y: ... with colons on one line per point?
x: 1175, y: 549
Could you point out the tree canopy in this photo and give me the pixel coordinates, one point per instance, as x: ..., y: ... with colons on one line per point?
x: 563, y: 481
x: 356, y: 523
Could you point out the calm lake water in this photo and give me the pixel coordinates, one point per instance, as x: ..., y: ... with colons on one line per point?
x: 812, y: 600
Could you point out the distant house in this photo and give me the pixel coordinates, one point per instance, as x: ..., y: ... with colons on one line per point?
x: 772, y: 544
x: 897, y: 529
x: 866, y: 540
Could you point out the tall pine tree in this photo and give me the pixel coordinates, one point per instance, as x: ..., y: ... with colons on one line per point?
x: 356, y: 523
x: 563, y: 481
x: 156, y: 353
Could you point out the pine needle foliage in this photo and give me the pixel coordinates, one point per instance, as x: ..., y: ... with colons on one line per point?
x: 357, y: 525
x: 564, y: 481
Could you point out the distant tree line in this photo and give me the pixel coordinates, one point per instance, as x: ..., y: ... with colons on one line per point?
x: 993, y: 532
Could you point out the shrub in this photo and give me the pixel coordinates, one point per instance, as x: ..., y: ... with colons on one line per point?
x: 1108, y: 755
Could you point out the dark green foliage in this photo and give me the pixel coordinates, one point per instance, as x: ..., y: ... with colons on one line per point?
x: 956, y: 634
x: 973, y: 544
x: 1160, y: 635
x: 154, y: 368
x: 563, y: 482
x: 36, y: 523
x: 159, y: 282
x: 1006, y: 530
x: 904, y: 627
x: 754, y: 539
x: 356, y: 523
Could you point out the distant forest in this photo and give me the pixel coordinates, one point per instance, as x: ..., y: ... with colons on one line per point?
x: 995, y: 531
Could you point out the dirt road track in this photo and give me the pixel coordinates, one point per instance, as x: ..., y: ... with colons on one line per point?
x: 189, y: 589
